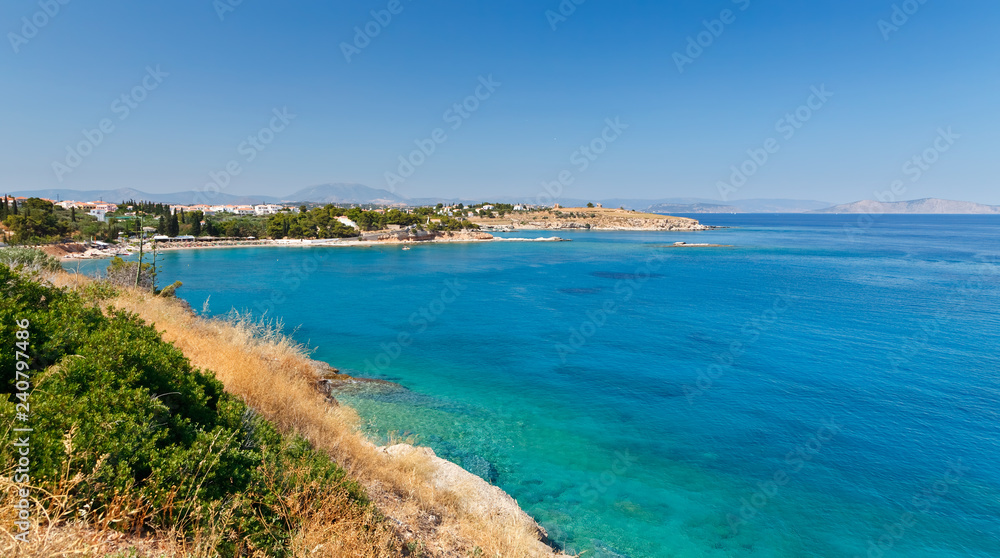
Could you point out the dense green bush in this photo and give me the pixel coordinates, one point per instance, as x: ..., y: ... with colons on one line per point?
x: 114, y: 403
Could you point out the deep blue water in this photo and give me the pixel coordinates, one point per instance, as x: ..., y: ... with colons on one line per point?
x: 826, y: 387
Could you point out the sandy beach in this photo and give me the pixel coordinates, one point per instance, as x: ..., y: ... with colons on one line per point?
x: 95, y: 253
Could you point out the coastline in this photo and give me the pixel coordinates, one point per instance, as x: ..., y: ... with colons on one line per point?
x: 426, y: 500
x: 487, y: 499
x: 95, y: 254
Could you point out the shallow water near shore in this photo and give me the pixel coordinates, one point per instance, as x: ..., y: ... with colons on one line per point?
x: 825, y: 387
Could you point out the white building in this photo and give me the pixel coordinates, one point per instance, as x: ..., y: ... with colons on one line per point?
x: 268, y: 209
x: 99, y: 213
x: 348, y: 222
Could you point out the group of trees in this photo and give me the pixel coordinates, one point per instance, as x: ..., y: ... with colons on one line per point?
x: 322, y: 222
x: 33, y: 221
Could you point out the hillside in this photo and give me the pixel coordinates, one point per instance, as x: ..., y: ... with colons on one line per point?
x: 913, y: 207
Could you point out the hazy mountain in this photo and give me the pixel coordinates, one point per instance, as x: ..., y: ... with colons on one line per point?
x: 699, y: 205
x: 924, y: 206
x: 692, y: 208
x: 121, y: 194
x: 345, y: 193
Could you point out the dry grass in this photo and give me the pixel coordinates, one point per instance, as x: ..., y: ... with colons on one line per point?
x: 274, y: 375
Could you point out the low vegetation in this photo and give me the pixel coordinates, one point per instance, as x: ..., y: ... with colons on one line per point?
x: 129, y: 436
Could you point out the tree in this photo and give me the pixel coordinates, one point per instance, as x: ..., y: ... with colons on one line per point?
x: 590, y: 204
x: 72, y: 214
x: 123, y: 274
x: 173, y: 228
x: 196, y: 226
x: 161, y: 226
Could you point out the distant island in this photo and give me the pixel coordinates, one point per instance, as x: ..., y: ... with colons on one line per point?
x: 926, y: 206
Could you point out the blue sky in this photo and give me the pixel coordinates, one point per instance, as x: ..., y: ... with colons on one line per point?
x: 353, y: 120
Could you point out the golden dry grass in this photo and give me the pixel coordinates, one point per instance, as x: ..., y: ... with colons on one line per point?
x: 275, y: 376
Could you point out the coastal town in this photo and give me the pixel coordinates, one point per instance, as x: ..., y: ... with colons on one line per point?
x: 74, y: 229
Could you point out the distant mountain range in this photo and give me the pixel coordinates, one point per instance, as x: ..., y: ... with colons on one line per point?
x: 347, y: 193
x: 924, y: 206
x: 325, y: 193
x: 699, y: 205
x: 121, y: 194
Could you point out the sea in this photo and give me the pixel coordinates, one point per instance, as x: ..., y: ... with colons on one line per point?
x: 825, y: 385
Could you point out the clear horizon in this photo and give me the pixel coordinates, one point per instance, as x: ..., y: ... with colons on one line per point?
x: 724, y: 100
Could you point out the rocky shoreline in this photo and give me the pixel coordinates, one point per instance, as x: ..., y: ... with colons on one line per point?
x: 595, y: 219
x: 488, y: 500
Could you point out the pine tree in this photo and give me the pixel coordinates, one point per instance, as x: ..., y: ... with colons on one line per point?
x: 195, y: 227
x: 161, y: 226
x: 174, y: 228
x: 72, y: 214
x: 13, y: 207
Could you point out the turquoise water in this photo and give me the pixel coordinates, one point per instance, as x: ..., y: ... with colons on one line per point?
x: 812, y: 391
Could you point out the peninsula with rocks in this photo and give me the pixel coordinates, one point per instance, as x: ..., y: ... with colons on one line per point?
x: 590, y: 218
